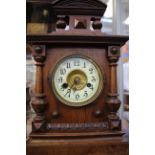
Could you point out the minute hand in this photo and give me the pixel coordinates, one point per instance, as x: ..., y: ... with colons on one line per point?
x: 69, y: 90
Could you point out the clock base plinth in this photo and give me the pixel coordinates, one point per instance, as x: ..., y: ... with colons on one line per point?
x: 78, y: 135
x: 87, y: 145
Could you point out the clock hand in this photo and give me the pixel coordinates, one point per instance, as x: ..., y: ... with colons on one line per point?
x: 69, y: 90
x: 76, y: 81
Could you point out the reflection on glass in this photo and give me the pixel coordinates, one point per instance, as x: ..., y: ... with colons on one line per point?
x: 115, y: 18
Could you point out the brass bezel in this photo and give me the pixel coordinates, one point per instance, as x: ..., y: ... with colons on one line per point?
x: 72, y: 104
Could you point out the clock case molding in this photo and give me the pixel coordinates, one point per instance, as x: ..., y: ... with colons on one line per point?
x: 53, y: 119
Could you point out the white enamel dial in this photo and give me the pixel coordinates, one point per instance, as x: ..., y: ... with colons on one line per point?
x: 76, y: 80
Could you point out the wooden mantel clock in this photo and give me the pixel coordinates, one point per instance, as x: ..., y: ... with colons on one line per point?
x: 76, y: 77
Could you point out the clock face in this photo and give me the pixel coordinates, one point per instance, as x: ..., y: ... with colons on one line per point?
x: 76, y: 80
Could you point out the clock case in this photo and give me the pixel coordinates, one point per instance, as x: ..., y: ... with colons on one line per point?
x: 54, y: 119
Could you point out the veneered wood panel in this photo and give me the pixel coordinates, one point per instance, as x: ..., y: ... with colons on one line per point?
x: 72, y: 114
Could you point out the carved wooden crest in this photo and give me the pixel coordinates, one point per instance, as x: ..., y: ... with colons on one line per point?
x: 85, y: 7
x: 79, y: 3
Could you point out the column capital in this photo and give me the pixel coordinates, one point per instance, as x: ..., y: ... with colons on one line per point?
x: 113, y: 54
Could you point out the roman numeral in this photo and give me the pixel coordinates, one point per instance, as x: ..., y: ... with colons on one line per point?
x: 62, y: 71
x: 60, y: 79
x: 84, y: 65
x: 76, y: 63
x: 68, y: 65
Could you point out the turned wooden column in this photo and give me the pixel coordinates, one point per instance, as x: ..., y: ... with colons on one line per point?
x: 113, y: 101
x: 39, y: 102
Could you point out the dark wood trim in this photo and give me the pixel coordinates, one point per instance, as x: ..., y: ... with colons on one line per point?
x: 75, y: 11
x: 70, y: 39
x: 70, y: 7
x: 76, y: 135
